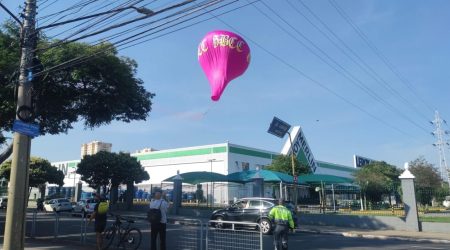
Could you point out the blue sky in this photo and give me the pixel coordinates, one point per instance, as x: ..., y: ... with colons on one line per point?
x: 411, y: 34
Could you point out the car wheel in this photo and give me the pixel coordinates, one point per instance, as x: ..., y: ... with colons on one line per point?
x: 219, y: 224
x: 265, y: 226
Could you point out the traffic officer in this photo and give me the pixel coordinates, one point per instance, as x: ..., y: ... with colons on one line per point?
x: 282, y: 218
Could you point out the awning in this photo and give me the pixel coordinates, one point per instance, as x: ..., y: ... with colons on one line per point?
x: 323, y: 178
x: 199, y: 177
x: 269, y: 176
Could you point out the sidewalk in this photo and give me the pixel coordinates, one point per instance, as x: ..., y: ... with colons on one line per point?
x: 35, y: 244
x: 377, y: 234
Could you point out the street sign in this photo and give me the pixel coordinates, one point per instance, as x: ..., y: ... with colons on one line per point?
x: 295, y: 179
x: 278, y: 127
x: 29, y: 129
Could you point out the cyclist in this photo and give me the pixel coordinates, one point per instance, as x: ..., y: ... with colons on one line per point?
x: 100, y: 216
x: 282, y: 218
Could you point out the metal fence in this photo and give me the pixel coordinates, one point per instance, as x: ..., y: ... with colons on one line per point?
x: 190, y: 234
x: 351, y: 199
x: 234, y: 236
x: 52, y: 225
x: 433, y: 203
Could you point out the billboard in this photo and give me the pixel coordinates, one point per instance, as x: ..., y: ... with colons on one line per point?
x: 300, y: 148
x: 359, y: 161
x: 67, y: 167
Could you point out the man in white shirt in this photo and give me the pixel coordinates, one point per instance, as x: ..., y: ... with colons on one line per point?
x: 159, y: 228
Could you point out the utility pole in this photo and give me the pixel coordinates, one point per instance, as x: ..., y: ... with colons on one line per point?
x: 294, y: 174
x: 440, y: 144
x: 18, y: 192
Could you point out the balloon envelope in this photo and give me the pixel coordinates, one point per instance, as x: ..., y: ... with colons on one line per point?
x: 223, y: 56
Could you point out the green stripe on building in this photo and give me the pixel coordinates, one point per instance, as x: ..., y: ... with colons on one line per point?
x: 73, y: 164
x: 249, y: 152
x: 336, y: 167
x: 183, y: 153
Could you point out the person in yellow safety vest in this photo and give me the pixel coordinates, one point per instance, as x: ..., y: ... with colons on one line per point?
x: 282, y: 218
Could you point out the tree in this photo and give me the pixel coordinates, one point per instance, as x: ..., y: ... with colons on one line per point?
x: 99, y: 90
x: 41, y: 172
x: 427, y: 176
x: 378, y: 179
x: 427, y: 181
x: 283, y: 164
x: 112, y: 169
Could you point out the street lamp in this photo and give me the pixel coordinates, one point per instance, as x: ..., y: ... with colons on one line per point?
x: 280, y: 128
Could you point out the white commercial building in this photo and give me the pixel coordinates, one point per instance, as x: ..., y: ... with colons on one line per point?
x: 224, y: 158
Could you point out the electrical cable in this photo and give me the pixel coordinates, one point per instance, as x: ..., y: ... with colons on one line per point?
x: 180, y: 12
x: 77, y: 60
x: 304, y: 75
x: 341, y: 70
x: 377, y: 52
x: 119, y: 25
x: 359, y: 62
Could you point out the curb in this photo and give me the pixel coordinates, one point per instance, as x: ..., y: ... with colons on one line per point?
x: 371, y: 236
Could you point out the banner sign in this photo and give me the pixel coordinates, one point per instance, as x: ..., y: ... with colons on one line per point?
x: 300, y: 148
x: 359, y: 161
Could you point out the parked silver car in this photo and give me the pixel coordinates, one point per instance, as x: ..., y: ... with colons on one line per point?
x: 57, y: 205
x: 85, y: 206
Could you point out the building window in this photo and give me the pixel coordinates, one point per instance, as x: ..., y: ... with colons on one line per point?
x: 245, y: 166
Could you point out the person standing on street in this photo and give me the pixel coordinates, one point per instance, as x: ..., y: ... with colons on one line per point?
x: 100, y: 215
x: 282, y: 218
x: 159, y: 227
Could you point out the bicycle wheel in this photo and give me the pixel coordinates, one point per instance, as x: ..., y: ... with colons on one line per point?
x: 108, y: 237
x: 132, y: 239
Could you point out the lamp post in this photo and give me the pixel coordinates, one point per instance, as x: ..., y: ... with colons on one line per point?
x: 74, y: 185
x: 280, y: 128
x: 212, y: 183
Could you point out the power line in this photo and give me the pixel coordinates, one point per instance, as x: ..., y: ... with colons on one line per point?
x: 48, y: 5
x: 101, y: 19
x: 78, y: 6
x: 179, y: 12
x: 84, y: 58
x: 359, y: 62
x: 303, y: 74
x: 340, y: 69
x: 78, y: 59
x: 119, y: 25
x: 372, y: 46
x: 93, y: 10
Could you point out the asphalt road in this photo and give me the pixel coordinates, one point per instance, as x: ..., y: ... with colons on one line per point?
x: 186, y: 237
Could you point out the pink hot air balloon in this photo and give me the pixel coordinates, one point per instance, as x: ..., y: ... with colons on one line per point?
x: 223, y: 56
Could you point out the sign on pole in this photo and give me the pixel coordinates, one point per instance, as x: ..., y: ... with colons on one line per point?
x: 278, y: 127
x: 295, y: 179
x: 28, y: 129
x: 360, y: 161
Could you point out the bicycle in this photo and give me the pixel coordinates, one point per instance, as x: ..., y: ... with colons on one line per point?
x: 129, y: 238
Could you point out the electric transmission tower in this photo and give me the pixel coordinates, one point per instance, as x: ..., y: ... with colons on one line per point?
x: 441, y: 135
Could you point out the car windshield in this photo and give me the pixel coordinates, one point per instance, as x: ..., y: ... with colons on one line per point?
x: 63, y: 200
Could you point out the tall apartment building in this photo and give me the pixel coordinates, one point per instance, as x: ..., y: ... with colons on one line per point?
x: 94, y: 147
